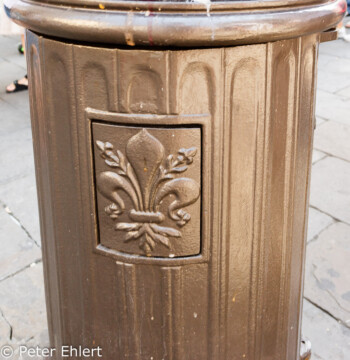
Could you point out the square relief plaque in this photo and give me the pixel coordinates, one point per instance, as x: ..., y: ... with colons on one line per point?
x: 148, y: 189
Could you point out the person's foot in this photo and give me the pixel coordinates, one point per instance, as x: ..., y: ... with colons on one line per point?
x: 18, y: 85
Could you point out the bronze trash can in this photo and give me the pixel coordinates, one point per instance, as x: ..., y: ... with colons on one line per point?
x: 173, y: 148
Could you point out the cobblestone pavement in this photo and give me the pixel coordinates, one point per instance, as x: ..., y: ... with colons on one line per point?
x: 326, y: 317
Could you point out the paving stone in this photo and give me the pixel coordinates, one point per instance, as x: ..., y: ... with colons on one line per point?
x: 17, y: 250
x: 319, y: 121
x: 333, y: 107
x: 12, y: 119
x: 329, y: 339
x: 16, y: 158
x: 8, y: 45
x: 19, y: 100
x: 326, y: 60
x: 20, y: 196
x: 5, y: 331
x: 11, y: 37
x: 327, y: 281
x: 318, y: 221
x: 333, y: 64
x: 333, y: 81
x: 9, y: 72
x: 317, y: 155
x: 42, y: 341
x: 22, y: 303
x: 338, y: 47
x: 330, y: 190
x: 333, y: 138
x: 344, y: 92
x: 17, y: 59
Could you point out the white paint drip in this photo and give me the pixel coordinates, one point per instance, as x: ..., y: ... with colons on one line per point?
x: 205, y: 2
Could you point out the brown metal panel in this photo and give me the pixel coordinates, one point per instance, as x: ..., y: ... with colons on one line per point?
x: 196, y: 86
x: 54, y: 180
x: 244, y: 134
x: 234, y: 290
x: 100, y: 325
x: 303, y: 159
x: 283, y: 62
x: 63, y: 159
x: 195, y: 77
x: 159, y: 169
x: 45, y: 199
x: 172, y: 129
x: 103, y: 276
x: 195, y: 310
x: 143, y: 81
x: 173, y: 319
x: 128, y: 284
x: 96, y: 73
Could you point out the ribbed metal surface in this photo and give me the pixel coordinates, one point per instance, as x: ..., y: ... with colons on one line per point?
x: 240, y: 297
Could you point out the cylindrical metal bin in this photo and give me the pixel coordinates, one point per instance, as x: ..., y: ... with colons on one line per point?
x: 173, y: 150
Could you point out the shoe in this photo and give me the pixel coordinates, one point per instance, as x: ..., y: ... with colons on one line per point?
x: 20, y: 49
x: 18, y: 87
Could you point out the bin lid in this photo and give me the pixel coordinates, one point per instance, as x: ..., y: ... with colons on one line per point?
x: 190, y: 23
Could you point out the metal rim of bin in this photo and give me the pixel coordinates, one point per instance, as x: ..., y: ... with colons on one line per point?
x: 178, y: 23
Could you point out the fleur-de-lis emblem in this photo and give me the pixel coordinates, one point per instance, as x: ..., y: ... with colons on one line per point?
x: 147, y: 178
